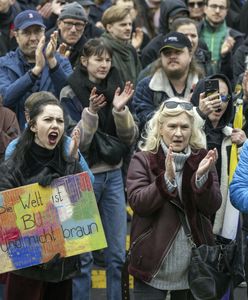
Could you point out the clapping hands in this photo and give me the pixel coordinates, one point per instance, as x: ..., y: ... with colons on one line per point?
x: 207, y: 163
x: 121, y: 99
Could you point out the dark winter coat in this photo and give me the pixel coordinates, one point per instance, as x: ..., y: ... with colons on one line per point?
x: 16, y: 82
x: 156, y: 222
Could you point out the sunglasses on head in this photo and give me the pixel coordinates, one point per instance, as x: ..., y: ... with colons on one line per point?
x: 174, y: 104
x: 225, y: 98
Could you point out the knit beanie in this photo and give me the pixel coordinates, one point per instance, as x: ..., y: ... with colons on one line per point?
x: 73, y: 11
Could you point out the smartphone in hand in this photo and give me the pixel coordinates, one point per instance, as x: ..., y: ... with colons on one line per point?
x: 211, y: 86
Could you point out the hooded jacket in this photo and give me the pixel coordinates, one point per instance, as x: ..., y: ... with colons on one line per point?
x: 220, y: 138
x: 170, y: 8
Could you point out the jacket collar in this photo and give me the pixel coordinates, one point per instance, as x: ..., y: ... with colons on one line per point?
x: 160, y: 83
x: 156, y: 158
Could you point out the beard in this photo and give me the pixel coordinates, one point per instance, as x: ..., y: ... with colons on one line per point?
x: 176, y: 74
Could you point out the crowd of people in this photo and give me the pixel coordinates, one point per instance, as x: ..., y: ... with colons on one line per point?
x: 136, y: 73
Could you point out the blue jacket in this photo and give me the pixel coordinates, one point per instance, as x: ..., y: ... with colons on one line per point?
x: 16, y: 82
x: 239, y: 184
x: 12, y: 145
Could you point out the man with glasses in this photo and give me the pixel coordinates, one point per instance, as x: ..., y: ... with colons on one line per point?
x: 221, y: 40
x: 71, y: 24
x: 32, y: 67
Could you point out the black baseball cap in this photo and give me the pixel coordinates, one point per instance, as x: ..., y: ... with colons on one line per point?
x: 176, y: 40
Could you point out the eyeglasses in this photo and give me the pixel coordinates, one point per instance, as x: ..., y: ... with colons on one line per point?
x: 174, y: 104
x: 196, y: 4
x: 225, y: 98
x: 215, y: 6
x: 78, y: 26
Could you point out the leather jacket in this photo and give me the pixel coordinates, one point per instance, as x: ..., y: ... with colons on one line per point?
x: 156, y: 222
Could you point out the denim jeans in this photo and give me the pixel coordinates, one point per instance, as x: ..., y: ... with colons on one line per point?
x: 143, y: 291
x: 109, y: 192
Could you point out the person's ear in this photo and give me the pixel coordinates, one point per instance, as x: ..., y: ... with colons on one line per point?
x: 58, y: 23
x: 83, y: 61
x: 108, y: 27
x: 33, y: 127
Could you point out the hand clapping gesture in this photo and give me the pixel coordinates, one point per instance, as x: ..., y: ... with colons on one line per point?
x: 39, y: 57
x: 121, y: 99
x: 75, y: 140
x: 207, y: 163
x: 170, y: 172
x: 51, y: 49
x: 96, y: 101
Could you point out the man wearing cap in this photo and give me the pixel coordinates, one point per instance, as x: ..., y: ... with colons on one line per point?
x: 175, y: 77
x: 74, y: 29
x: 32, y: 67
x: 170, y: 10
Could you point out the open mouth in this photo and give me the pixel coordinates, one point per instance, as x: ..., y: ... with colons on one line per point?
x: 52, y: 138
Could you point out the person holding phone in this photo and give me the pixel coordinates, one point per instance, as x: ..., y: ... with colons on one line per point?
x: 218, y: 108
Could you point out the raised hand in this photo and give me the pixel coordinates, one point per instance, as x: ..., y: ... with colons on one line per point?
x: 227, y: 45
x: 137, y: 37
x: 51, y: 49
x: 245, y: 86
x: 170, y: 165
x: 75, y: 141
x: 64, y: 50
x: 39, y: 57
x: 96, y: 102
x: 207, y: 163
x: 121, y: 99
x: 238, y: 136
x: 210, y: 103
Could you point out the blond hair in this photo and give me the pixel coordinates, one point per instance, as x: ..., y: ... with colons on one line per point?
x: 152, y: 137
x: 115, y: 13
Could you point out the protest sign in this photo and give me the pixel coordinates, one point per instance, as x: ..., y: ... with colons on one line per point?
x: 36, y: 222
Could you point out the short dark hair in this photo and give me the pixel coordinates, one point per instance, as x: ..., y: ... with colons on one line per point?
x: 182, y: 21
x: 37, y: 97
x: 96, y: 46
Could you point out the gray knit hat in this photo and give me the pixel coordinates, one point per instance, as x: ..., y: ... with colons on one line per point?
x: 73, y: 11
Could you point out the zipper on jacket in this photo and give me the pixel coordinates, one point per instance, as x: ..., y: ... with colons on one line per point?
x: 164, y: 256
x: 140, y: 238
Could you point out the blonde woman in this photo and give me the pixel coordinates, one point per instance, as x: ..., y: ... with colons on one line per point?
x: 171, y: 172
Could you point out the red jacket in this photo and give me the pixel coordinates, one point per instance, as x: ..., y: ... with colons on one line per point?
x: 156, y: 222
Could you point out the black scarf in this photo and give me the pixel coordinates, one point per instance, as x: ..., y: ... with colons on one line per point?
x: 82, y: 86
x: 38, y: 158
